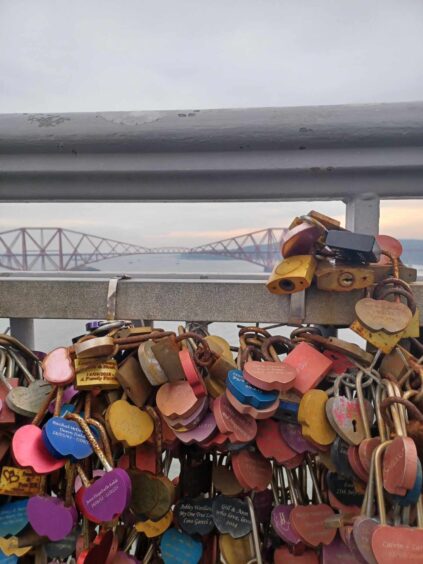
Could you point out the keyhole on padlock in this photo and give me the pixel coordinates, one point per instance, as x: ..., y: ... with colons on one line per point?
x: 287, y: 285
x: 354, y: 424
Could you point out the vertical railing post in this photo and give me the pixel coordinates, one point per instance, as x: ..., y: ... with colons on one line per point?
x: 23, y: 329
x: 362, y: 214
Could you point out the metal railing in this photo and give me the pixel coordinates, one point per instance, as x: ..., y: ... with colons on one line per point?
x: 358, y: 154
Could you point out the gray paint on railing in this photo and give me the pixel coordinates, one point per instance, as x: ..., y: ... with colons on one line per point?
x: 326, y: 152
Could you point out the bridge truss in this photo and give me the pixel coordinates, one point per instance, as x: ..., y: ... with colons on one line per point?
x: 57, y: 249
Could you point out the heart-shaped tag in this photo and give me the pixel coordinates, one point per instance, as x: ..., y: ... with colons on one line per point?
x: 381, y: 315
x: 235, y: 551
x: 128, y: 424
x: 271, y: 443
x: 29, y: 450
x: 246, y: 409
x: 64, y: 438
x: 311, y: 366
x: 397, y: 545
x: 294, y: 438
x: 204, y: 430
x: 13, y: 517
x: 229, y: 420
x: 153, y: 529
x: 195, y: 516
x: 179, y: 548
x: 58, y: 367
x: 176, y: 399
x: 363, y: 529
x: 313, y: 419
x: 343, y: 489
x: 248, y: 394
x: 184, y: 423
x: 400, y: 466
x: 106, y: 498
x: 231, y: 516
x: 49, y: 517
x: 28, y: 401
x: 281, y: 523
x: 308, y: 521
x: 253, y: 471
x: 270, y: 375
x: 345, y: 417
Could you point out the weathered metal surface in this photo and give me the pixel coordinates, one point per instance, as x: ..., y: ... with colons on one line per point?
x: 243, y: 301
x: 326, y: 152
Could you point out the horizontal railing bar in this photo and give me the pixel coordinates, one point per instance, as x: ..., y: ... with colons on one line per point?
x: 172, y: 300
x: 54, y: 275
x: 279, y: 154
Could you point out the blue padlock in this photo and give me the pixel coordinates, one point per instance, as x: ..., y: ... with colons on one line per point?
x: 248, y: 394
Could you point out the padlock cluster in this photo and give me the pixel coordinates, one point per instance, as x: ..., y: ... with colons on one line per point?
x: 135, y: 444
x: 317, y: 250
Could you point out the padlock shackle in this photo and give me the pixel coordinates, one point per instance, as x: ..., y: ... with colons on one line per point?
x: 91, y: 439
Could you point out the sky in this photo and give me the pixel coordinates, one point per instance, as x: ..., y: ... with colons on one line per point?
x: 100, y: 55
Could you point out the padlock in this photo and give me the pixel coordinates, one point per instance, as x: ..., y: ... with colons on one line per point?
x: 386, y: 317
x: 166, y: 350
x: 293, y: 274
x: 26, y: 401
x: 28, y: 446
x: 400, y: 461
x: 311, y: 367
x: 308, y: 521
x: 312, y: 417
x: 300, y: 240
x: 133, y: 381
x: 406, y: 540
x: 96, y: 374
x: 90, y: 498
x: 344, y: 414
x: 349, y: 247
x: 281, y: 512
x: 342, y: 278
x: 7, y: 382
x: 128, y: 424
x: 19, y: 482
x: 53, y: 517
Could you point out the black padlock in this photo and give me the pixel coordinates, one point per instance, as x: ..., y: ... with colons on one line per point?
x: 353, y: 247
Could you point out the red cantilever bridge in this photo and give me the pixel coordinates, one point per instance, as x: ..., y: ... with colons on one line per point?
x: 56, y: 249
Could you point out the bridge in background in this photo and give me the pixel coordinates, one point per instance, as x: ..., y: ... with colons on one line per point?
x: 56, y: 249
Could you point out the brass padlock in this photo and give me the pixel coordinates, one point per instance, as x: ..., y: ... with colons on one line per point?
x: 293, y: 274
x: 91, y: 373
x: 343, y: 277
x: 379, y: 339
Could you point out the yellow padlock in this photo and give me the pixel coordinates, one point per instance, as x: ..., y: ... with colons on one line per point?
x: 342, y: 277
x: 92, y: 374
x: 379, y: 339
x: 291, y: 275
x: 413, y: 328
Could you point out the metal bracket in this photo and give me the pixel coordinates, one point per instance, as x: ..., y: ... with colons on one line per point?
x: 297, y: 308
